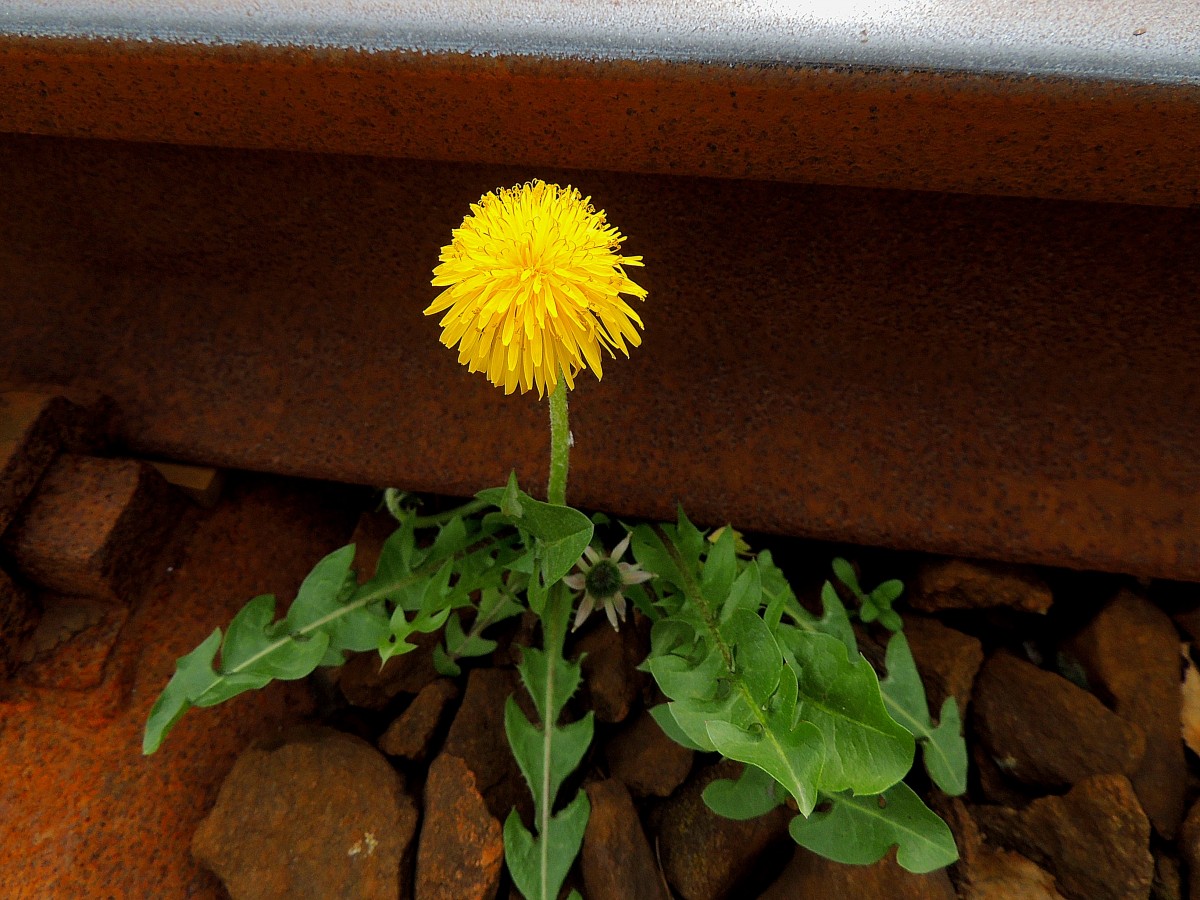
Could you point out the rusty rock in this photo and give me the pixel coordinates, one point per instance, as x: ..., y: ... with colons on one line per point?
x: 1094, y: 839
x: 322, y: 815
x: 71, y: 647
x: 364, y: 683
x: 477, y: 737
x: 948, y: 660
x: 34, y: 426
x: 95, y: 528
x: 962, y: 584
x: 646, y: 760
x: 19, y: 616
x: 617, y: 861
x: 983, y: 872
x: 1130, y: 652
x: 412, y: 735
x: 610, y: 675
x: 461, y: 851
x: 706, y: 856
x: 809, y: 875
x: 1043, y: 730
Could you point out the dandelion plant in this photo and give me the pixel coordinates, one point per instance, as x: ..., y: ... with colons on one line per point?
x: 533, y: 292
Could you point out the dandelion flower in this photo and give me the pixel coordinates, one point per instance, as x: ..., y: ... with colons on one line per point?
x: 532, y: 280
x: 603, y: 580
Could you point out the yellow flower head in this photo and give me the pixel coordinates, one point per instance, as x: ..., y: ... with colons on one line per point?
x: 532, y: 280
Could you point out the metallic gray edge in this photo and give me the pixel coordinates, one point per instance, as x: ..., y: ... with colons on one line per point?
x: 1142, y: 41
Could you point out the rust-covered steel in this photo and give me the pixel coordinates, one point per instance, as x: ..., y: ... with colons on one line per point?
x: 990, y: 377
x: 997, y: 125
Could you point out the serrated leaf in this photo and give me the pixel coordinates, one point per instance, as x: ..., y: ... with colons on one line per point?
x: 790, y: 751
x: 528, y: 742
x: 860, y: 831
x: 866, y: 750
x: 540, y: 865
x: 943, y: 747
x: 551, y: 681
x: 753, y: 794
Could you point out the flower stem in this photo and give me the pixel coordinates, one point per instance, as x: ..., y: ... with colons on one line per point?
x: 560, y: 445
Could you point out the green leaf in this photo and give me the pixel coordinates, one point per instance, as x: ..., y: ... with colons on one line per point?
x: 652, y: 555
x: 539, y: 865
x: 752, y: 795
x: 528, y: 743
x: 322, y: 591
x: 745, y: 594
x: 846, y: 575
x: 720, y: 568
x: 666, y: 721
x: 860, y: 831
x: 944, y: 750
x: 551, y: 681
x: 193, y: 676
x: 757, y: 660
x: 562, y: 532
x: 789, y: 750
x: 866, y: 751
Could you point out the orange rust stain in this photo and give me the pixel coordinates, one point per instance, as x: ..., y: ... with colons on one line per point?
x: 871, y: 128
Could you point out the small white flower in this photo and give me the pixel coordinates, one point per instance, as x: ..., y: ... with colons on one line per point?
x: 603, y: 580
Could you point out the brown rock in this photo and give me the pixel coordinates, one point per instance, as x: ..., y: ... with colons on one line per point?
x: 948, y: 660
x: 1005, y: 875
x: 809, y: 875
x: 477, y: 737
x: 611, y: 678
x: 989, y: 873
x: 1041, y: 729
x: 617, y: 861
x: 364, y: 683
x: 71, y: 647
x: 322, y: 815
x: 1189, y: 849
x: 706, y: 856
x: 958, y: 584
x: 19, y: 617
x: 646, y: 760
x: 94, y: 528
x: 411, y: 736
x: 1094, y: 839
x: 994, y: 785
x: 1130, y: 652
x: 34, y: 427
x: 461, y: 851
x: 1168, y: 882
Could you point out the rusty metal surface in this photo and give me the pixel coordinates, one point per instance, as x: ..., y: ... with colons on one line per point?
x: 979, y: 131
x: 978, y: 376
x: 1147, y: 40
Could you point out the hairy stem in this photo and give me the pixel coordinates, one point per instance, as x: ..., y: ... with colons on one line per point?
x: 560, y: 445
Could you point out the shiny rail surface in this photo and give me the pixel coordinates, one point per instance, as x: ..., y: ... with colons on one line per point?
x: 1149, y: 40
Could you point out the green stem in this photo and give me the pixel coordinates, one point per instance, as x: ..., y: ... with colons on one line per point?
x: 557, y: 612
x: 560, y: 445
